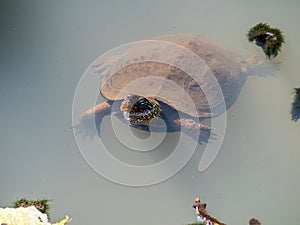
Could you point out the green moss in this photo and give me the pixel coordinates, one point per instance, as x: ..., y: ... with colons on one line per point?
x: 295, y: 111
x: 268, y: 38
x: 41, y: 204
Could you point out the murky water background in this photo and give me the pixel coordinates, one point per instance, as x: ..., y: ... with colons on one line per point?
x: 45, y: 46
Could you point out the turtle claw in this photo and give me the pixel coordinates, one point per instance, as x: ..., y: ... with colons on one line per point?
x: 198, y: 131
x: 89, y: 122
x: 87, y: 127
x: 105, y: 65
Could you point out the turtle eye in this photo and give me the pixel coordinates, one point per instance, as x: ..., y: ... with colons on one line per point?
x: 143, y: 103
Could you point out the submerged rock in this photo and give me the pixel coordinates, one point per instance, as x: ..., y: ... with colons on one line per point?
x: 295, y: 109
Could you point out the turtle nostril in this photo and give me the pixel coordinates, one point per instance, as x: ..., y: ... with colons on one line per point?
x: 129, y: 97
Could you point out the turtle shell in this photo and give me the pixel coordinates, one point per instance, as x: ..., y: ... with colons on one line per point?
x: 150, y: 68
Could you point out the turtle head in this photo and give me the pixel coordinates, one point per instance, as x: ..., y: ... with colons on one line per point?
x: 140, y: 110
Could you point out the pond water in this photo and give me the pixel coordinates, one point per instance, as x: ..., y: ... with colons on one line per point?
x: 45, y: 48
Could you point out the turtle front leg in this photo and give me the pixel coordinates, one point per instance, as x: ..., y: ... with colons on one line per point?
x: 92, y: 118
x: 197, y: 131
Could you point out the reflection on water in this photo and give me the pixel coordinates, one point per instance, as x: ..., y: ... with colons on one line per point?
x: 45, y: 48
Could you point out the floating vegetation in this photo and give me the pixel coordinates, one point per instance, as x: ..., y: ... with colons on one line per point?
x: 26, y: 216
x: 268, y: 38
x: 202, y: 215
x: 28, y: 212
x: 42, y: 204
x: 254, y: 221
x: 295, y: 111
x: 205, y: 219
x: 196, y: 224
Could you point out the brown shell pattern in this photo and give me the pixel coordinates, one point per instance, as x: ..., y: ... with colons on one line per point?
x: 224, y: 64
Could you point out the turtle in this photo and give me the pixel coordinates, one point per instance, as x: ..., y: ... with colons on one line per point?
x: 139, y: 111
